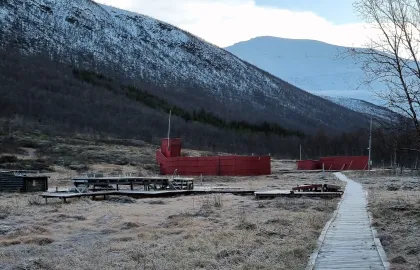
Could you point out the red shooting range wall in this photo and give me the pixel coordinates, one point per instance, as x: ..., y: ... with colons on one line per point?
x: 169, y: 161
x: 358, y: 163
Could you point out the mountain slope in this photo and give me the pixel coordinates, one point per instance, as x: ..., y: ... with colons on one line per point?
x: 369, y: 109
x: 317, y: 67
x: 314, y: 66
x: 168, y: 61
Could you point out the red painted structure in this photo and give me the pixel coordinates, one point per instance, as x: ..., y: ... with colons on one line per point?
x: 357, y: 163
x: 169, y: 159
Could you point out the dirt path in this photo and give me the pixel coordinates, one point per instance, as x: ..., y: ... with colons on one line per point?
x: 349, y: 242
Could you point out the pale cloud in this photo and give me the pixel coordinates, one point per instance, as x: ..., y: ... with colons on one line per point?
x: 229, y: 21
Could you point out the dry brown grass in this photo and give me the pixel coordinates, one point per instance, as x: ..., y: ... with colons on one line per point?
x: 196, y: 232
x: 212, y: 231
x: 395, y: 206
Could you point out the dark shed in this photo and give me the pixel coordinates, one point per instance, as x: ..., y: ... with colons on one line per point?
x: 18, y: 182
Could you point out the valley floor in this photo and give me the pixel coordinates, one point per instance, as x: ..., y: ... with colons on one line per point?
x: 395, y: 205
x: 191, y: 232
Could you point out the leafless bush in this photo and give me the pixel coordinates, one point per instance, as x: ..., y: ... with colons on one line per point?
x: 160, y: 202
x: 218, y: 200
x: 243, y: 223
x: 35, y: 200
x: 5, y: 211
x: 40, y: 241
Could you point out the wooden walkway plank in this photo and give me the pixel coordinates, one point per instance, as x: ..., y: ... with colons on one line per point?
x: 349, y: 242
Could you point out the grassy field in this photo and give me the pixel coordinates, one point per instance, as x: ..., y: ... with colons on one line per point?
x: 191, y: 232
x: 395, y: 205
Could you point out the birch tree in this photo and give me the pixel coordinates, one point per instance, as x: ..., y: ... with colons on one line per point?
x: 392, y: 57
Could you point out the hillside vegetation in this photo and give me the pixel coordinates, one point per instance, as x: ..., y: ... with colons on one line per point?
x: 167, y: 62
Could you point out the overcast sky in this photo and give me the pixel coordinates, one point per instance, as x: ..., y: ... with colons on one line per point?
x: 225, y: 22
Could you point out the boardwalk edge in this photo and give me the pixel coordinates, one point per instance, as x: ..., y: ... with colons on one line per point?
x: 321, y: 238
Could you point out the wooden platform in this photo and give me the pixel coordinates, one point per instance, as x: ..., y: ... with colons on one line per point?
x: 270, y: 194
x: 105, y: 194
x: 148, y: 182
x: 142, y: 194
x: 348, y: 241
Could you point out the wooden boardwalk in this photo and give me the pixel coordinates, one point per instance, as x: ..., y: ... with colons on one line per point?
x: 144, y: 194
x: 348, y: 241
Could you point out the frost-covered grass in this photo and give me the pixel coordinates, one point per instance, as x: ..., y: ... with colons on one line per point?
x: 395, y: 204
x: 206, y: 232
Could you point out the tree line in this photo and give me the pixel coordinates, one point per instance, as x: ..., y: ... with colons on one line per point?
x: 200, y: 115
x: 44, y: 97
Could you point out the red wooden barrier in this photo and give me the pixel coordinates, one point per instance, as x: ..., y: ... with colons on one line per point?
x: 335, y: 163
x: 307, y: 165
x: 169, y: 160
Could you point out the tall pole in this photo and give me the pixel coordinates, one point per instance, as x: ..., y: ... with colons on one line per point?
x: 370, y: 144
x: 300, y: 152
x: 169, y: 128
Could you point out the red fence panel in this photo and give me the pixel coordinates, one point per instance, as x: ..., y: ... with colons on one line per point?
x: 335, y: 163
x: 307, y: 165
x: 174, y: 148
x: 218, y: 165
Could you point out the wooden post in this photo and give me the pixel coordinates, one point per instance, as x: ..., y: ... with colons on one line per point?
x: 300, y: 152
x: 218, y: 167
x: 370, y: 145
x: 131, y: 184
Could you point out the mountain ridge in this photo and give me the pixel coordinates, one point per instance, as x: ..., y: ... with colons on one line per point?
x: 304, y: 63
x: 321, y: 68
x: 172, y: 63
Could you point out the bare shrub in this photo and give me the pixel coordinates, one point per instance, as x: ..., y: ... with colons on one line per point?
x: 316, y: 222
x: 40, y: 241
x: 243, y: 223
x: 5, y: 211
x: 121, y: 199
x: 218, y: 200
x: 35, y: 200
x: 73, y: 217
x: 160, y: 202
x: 325, y: 206
x: 141, y: 258
x: 129, y: 225
x: 399, y: 260
x: 10, y: 243
x: 293, y: 204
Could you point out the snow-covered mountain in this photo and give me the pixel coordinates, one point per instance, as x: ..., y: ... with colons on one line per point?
x: 320, y: 68
x: 176, y: 64
x: 367, y: 108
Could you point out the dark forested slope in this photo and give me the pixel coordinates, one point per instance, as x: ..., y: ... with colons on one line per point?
x: 168, y: 62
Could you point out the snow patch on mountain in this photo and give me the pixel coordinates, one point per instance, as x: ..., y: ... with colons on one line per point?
x: 136, y: 47
x: 320, y: 68
x: 314, y: 66
x: 364, y: 107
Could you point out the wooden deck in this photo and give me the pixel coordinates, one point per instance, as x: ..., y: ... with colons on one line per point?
x: 348, y: 241
x: 148, y: 182
x: 137, y: 194
x: 270, y: 194
x: 143, y: 194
